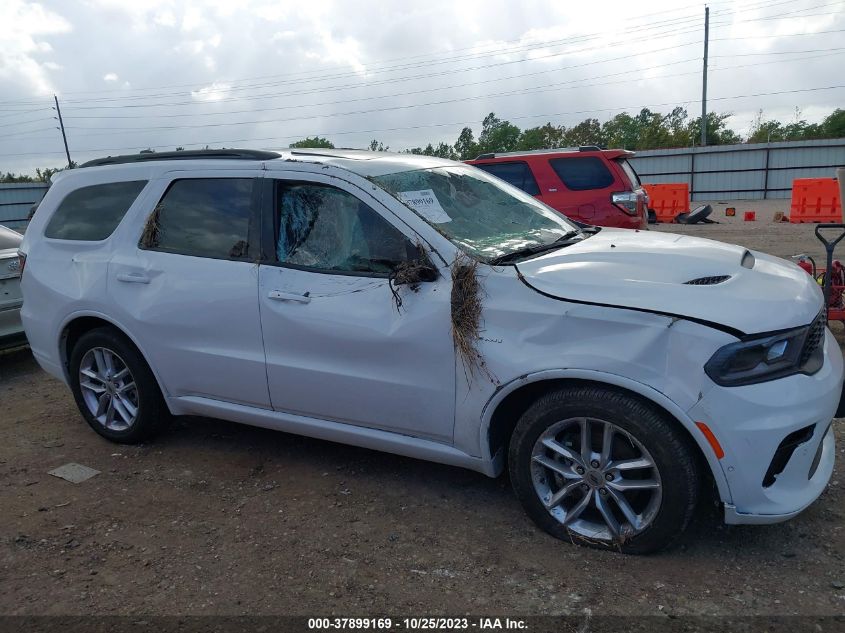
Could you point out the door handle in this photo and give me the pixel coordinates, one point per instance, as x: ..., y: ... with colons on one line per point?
x: 278, y: 295
x: 133, y: 278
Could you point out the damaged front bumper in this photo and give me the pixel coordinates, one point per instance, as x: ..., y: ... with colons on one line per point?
x: 778, y: 440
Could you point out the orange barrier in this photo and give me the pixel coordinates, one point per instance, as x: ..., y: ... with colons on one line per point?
x: 668, y: 200
x: 815, y: 200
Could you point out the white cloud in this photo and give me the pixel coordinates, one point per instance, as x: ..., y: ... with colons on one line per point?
x: 110, y: 77
x: 333, y: 51
x: 214, y: 92
x: 165, y: 18
x: 281, y: 36
x: 191, y: 19
x: 20, y: 24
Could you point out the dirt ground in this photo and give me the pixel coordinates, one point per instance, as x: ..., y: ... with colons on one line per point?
x: 218, y: 518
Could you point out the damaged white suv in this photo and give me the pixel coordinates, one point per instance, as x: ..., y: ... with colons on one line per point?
x: 423, y: 307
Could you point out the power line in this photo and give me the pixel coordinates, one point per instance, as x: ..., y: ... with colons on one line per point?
x: 781, y: 92
x: 429, y: 90
x: 390, y: 96
x: 433, y: 125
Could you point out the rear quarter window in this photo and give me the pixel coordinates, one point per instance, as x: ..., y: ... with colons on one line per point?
x: 582, y: 173
x: 92, y: 213
x: 630, y: 172
x: 517, y: 173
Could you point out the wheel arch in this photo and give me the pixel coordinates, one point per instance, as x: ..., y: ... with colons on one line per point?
x: 78, y: 323
x: 504, y: 409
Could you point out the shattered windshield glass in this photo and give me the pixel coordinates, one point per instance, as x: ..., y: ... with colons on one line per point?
x: 481, y: 214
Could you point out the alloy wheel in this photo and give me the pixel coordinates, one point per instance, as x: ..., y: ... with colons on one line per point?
x: 108, y: 389
x: 596, y: 479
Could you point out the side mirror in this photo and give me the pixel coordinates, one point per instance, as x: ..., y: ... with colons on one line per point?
x: 414, y: 272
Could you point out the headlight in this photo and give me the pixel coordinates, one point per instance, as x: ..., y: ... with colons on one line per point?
x: 768, y: 357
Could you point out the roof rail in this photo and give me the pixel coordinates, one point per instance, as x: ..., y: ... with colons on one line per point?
x: 221, y: 154
x: 556, y: 150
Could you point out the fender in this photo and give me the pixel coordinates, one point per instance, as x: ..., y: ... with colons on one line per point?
x: 123, y: 330
x: 644, y: 390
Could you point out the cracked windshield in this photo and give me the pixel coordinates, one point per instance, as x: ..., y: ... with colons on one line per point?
x: 479, y: 213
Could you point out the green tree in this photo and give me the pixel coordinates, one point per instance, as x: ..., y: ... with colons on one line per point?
x: 378, y: 146
x: 41, y: 175
x: 546, y: 136
x: 313, y: 142
x: 497, y: 135
x: 587, y: 132
x: 718, y: 132
x: 465, y: 147
x: 833, y: 125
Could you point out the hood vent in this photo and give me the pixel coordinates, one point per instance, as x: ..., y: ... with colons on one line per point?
x: 707, y: 281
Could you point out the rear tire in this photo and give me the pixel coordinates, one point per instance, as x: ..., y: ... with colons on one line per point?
x: 599, y: 467
x: 114, y: 388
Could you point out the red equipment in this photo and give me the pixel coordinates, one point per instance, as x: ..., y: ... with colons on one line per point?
x: 831, y: 278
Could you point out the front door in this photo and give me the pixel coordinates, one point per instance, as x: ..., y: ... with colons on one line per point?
x: 343, y: 343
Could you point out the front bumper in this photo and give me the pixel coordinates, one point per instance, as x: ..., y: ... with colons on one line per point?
x: 752, y: 423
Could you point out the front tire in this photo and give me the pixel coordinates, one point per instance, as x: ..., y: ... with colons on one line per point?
x: 114, y: 388
x: 598, y: 467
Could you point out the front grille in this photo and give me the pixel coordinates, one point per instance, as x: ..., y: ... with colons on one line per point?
x: 813, y: 342
x: 707, y: 281
x: 784, y: 452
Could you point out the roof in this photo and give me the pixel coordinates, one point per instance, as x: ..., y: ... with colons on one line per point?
x: 366, y: 163
x: 609, y: 153
x: 143, y: 157
x: 362, y: 162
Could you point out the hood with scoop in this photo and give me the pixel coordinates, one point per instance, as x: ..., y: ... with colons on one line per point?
x: 703, y: 280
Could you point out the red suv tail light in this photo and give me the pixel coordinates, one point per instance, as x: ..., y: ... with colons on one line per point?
x: 21, y: 262
x: 628, y: 201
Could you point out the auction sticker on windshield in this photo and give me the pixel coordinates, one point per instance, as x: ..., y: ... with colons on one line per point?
x: 426, y: 204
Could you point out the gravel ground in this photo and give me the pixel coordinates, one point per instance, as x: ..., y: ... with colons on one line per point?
x: 219, y: 518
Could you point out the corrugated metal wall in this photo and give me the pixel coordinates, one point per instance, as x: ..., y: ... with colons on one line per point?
x: 742, y: 172
x: 16, y: 199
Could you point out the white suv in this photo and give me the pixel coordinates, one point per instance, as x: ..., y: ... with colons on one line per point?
x: 422, y: 307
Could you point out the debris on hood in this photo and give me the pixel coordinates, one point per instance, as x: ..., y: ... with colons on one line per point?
x: 466, y: 315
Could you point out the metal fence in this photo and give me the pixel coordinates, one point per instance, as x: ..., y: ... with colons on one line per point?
x: 16, y: 199
x: 742, y: 172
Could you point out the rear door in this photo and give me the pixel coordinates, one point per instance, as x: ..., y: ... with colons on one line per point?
x: 187, y: 286
x: 586, y: 183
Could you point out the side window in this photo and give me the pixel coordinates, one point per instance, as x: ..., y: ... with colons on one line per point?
x: 579, y: 174
x: 328, y: 229
x: 518, y: 174
x: 203, y: 217
x: 93, y: 213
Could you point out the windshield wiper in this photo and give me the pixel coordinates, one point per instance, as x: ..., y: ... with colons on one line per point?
x: 536, y: 249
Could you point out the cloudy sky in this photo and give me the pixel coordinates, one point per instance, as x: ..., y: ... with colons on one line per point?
x: 132, y: 74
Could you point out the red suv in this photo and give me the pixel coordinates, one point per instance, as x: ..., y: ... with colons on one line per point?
x: 587, y: 184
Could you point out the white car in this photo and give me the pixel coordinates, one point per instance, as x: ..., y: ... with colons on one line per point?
x: 423, y: 307
x: 11, y: 330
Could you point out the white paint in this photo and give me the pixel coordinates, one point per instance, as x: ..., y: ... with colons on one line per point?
x: 346, y: 366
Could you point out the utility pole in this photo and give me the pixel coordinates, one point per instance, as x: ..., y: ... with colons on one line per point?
x: 704, y: 81
x: 62, y: 128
